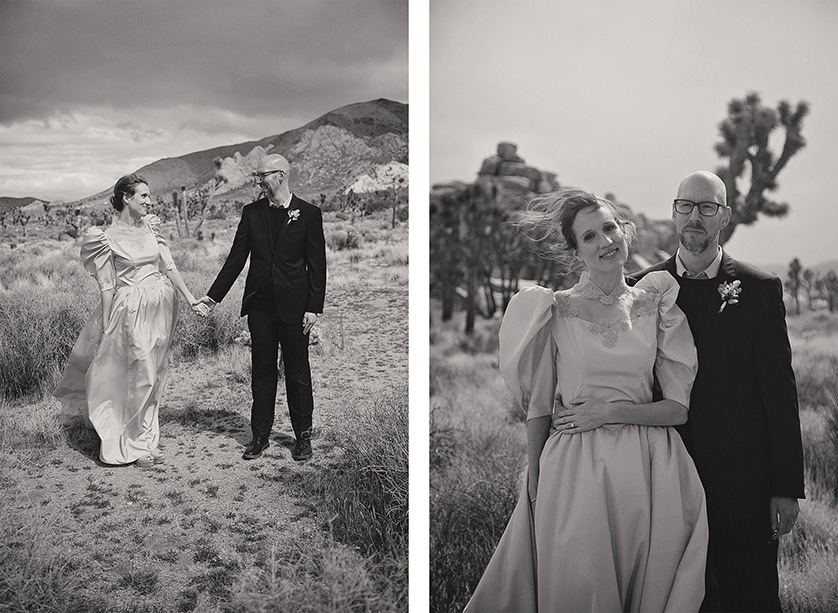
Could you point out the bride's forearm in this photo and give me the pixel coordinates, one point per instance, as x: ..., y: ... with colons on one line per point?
x: 660, y: 413
x: 177, y: 280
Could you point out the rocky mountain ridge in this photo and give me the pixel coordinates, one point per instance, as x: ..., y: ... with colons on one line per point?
x: 327, y: 156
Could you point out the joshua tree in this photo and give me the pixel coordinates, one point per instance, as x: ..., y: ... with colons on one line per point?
x: 745, y: 133
x: 176, y: 207
x: 828, y: 286
x: 794, y: 282
x: 808, y: 282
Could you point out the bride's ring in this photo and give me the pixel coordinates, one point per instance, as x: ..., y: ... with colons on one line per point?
x: 572, y: 425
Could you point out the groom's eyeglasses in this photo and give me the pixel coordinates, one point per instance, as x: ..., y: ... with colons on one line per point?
x: 707, y: 209
x: 260, y: 176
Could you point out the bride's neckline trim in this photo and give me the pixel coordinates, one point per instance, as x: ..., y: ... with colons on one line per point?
x: 586, y: 288
x: 130, y: 226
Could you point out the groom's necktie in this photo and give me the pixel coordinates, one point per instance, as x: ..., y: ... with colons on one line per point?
x: 701, y: 275
x: 276, y: 218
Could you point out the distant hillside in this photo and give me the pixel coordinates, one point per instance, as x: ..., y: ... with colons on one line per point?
x: 782, y: 270
x: 327, y: 155
x: 7, y: 203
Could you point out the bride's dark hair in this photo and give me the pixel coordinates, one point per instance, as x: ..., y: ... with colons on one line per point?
x: 548, y: 222
x: 126, y: 186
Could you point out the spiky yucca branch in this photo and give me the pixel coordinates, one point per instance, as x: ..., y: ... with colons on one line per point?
x: 745, y: 134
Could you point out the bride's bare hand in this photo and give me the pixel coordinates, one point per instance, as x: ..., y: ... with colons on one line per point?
x: 200, y: 309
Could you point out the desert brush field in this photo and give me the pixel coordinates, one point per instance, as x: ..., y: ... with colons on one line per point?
x: 477, y: 455
x: 207, y: 531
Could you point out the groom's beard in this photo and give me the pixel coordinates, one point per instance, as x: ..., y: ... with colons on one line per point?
x: 694, y: 242
x: 265, y: 191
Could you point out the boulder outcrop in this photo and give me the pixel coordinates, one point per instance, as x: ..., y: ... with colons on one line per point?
x: 507, y: 176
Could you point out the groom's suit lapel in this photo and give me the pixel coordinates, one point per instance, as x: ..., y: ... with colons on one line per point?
x: 287, y: 222
x: 712, y: 319
x: 727, y: 272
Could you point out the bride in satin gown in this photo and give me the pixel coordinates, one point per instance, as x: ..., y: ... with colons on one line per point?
x: 117, y: 370
x: 611, y: 516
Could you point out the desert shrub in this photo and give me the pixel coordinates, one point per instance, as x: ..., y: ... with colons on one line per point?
x: 371, y: 498
x: 28, y: 433
x: 807, y: 562
x: 473, y: 493
x: 814, y: 340
x: 816, y: 370
x: 323, y: 577
x: 38, y: 329
x: 35, y: 574
x: 812, y: 590
x: 483, y: 340
x: 341, y: 239
x: 392, y: 255
x: 363, y: 497
x: 820, y: 452
x: 195, y: 336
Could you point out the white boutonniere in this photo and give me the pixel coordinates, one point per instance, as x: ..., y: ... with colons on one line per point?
x: 293, y: 215
x: 730, y: 293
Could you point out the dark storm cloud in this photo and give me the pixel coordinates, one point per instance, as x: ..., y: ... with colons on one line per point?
x: 289, y: 57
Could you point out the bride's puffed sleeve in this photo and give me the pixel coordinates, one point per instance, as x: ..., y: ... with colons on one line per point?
x: 527, y: 351
x: 153, y: 222
x: 677, y: 361
x: 96, y: 257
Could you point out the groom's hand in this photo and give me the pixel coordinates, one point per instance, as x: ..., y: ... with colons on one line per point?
x: 203, y: 306
x: 308, y: 322
x: 783, y: 515
x: 209, y: 302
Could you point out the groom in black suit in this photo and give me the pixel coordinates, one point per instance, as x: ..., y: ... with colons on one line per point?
x: 284, y: 292
x: 743, y: 429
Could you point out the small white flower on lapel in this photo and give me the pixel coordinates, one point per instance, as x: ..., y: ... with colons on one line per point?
x: 729, y: 293
x: 293, y: 215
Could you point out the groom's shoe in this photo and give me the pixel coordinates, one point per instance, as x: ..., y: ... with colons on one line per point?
x: 255, y: 448
x: 302, y: 448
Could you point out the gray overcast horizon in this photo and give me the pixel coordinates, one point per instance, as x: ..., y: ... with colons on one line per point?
x: 93, y: 89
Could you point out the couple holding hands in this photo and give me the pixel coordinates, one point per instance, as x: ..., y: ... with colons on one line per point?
x: 116, y: 373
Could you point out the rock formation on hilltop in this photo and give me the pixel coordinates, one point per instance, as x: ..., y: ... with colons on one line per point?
x: 393, y: 175
x: 236, y: 171
x: 507, y: 168
x: 507, y: 175
x: 513, y: 183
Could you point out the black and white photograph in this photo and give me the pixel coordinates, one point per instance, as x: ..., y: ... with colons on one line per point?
x: 204, y: 230
x: 633, y: 317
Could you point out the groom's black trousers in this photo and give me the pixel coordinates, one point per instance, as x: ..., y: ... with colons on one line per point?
x: 267, y: 334
x: 741, y: 576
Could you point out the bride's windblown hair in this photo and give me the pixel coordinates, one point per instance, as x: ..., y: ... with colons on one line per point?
x: 548, y: 223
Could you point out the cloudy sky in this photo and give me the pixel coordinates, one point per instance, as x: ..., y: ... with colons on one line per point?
x: 93, y: 89
x: 626, y: 97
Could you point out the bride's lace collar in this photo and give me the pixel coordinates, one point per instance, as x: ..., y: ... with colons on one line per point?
x: 588, y: 289
x: 121, y: 225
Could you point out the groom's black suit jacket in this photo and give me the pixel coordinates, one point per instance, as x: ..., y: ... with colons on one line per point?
x: 295, y: 263
x: 743, y: 428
